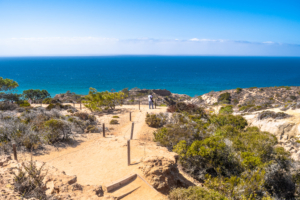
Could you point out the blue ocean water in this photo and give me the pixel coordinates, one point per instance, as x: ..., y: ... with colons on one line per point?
x: 192, y: 75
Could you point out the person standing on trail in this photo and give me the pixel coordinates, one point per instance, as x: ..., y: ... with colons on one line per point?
x: 150, y: 99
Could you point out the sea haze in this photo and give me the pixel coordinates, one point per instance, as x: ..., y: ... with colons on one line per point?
x: 192, y: 75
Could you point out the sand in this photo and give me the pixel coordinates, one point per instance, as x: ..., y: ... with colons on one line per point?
x: 100, y: 161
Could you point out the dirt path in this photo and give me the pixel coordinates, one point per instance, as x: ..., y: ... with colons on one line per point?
x: 100, y: 161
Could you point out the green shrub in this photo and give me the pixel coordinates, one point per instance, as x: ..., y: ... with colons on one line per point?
x: 113, y: 121
x: 245, y: 108
x: 236, y: 121
x: 85, y: 116
x: 31, y: 141
x: 92, y: 129
x: 70, y: 111
x: 170, y: 135
x: 226, y: 110
x: 47, y: 100
x: 238, y: 90
x: 271, y: 114
x: 54, y: 106
x: 55, y: 130
x: 115, y: 117
x: 235, y: 101
x: 183, y: 107
x: 195, y: 193
x: 23, y: 103
x: 224, y: 98
x: 156, y: 120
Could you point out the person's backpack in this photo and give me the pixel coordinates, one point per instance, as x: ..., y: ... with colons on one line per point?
x: 151, y: 99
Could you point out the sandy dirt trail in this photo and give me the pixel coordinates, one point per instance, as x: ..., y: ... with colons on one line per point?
x: 100, y: 161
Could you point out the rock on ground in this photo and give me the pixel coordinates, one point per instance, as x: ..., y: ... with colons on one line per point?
x: 162, y: 173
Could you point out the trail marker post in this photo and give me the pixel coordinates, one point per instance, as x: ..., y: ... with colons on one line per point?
x: 103, y: 130
x: 15, y: 152
x: 128, y: 152
x: 129, y: 116
x: 132, y: 126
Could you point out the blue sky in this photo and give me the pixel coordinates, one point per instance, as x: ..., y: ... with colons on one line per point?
x: 169, y: 27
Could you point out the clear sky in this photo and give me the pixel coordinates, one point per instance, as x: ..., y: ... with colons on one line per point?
x: 160, y: 27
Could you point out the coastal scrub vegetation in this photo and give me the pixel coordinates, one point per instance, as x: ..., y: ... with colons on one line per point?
x: 226, y: 110
x: 37, y: 94
x: 37, y: 126
x: 232, y: 160
x: 224, y: 98
x: 99, y: 101
x: 156, y: 120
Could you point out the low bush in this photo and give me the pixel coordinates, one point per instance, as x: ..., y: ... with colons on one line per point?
x: 28, y: 181
x: 239, y: 90
x: 226, y: 110
x: 85, y: 117
x: 23, y: 103
x: 8, y: 106
x: 235, y: 101
x: 195, y: 193
x: 156, y: 120
x: 271, y: 114
x: 224, y: 98
x: 47, y: 101
x: 113, y: 121
x: 236, y: 121
x: 31, y: 141
x: 183, y: 107
x: 70, y: 111
x: 55, y: 130
x: 115, y: 117
x: 92, y: 129
x: 170, y: 135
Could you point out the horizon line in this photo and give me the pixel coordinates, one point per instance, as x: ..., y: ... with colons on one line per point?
x: 162, y: 55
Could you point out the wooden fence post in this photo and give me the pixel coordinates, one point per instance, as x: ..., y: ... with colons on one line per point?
x: 128, y: 151
x: 103, y: 130
x: 15, y: 152
x: 129, y: 116
x: 132, y: 126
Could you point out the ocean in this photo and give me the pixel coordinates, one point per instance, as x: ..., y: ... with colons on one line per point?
x: 192, y: 75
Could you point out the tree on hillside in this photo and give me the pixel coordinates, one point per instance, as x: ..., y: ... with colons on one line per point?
x: 6, y: 89
x: 97, y: 101
x: 36, y: 94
